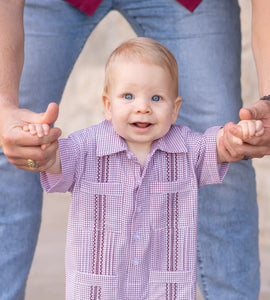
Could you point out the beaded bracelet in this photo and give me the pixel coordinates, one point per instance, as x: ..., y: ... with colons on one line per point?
x: 265, y: 98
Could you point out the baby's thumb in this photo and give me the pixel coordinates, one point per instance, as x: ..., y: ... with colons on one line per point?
x: 235, y: 130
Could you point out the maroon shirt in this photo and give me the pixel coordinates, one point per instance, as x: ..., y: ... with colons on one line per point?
x: 89, y: 6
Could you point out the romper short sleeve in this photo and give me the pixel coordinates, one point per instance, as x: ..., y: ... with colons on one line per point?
x: 69, y: 156
x: 209, y: 171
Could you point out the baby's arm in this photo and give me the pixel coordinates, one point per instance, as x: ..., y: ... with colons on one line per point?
x: 41, y: 130
x: 250, y: 129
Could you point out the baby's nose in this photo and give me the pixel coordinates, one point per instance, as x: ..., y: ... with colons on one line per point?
x: 143, y: 106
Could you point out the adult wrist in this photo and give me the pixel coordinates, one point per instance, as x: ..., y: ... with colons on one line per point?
x: 9, y: 101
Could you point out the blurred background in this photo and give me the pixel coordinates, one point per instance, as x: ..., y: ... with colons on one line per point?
x: 81, y: 107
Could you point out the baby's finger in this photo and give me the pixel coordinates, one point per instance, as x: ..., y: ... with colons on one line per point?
x: 32, y: 129
x: 260, y: 132
x: 245, y: 129
x: 237, y: 141
x: 39, y: 130
x: 44, y: 146
x: 26, y: 128
x: 251, y: 129
x: 46, y: 129
x: 259, y: 128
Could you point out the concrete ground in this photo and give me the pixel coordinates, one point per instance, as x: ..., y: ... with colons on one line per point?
x: 46, y: 280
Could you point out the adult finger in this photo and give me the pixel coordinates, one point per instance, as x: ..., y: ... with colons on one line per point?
x: 21, y: 138
x: 42, y: 159
x: 47, y: 117
x: 260, y: 110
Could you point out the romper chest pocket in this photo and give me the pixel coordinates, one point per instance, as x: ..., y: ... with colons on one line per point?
x: 101, y: 206
x: 173, y: 204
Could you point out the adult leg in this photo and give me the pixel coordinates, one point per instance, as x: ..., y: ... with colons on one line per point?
x: 228, y: 258
x: 207, y: 45
x: 55, y: 34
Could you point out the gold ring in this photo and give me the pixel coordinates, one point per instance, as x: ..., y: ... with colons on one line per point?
x: 31, y: 164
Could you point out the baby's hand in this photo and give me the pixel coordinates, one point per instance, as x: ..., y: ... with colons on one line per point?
x: 37, y: 129
x: 250, y: 129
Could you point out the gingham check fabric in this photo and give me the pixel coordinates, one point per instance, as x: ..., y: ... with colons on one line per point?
x: 132, y: 229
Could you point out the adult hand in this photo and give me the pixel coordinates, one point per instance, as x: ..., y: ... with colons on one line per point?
x: 257, y: 146
x: 259, y: 111
x: 18, y: 145
x: 237, y: 148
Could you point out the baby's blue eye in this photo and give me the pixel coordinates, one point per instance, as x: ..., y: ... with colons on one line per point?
x: 156, y: 98
x: 128, y: 96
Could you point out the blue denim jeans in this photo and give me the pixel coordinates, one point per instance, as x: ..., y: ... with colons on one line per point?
x: 207, y: 46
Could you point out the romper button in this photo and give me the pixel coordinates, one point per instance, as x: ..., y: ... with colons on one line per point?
x: 139, y: 209
x: 137, y: 236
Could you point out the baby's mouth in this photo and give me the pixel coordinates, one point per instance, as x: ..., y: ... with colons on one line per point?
x: 141, y: 124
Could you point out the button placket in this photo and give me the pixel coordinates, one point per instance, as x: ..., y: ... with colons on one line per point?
x: 136, y: 234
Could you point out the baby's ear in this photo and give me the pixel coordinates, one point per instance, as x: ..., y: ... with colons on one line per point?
x: 107, y: 106
x: 177, y: 104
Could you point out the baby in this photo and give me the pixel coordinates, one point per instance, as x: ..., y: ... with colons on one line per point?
x: 134, y: 179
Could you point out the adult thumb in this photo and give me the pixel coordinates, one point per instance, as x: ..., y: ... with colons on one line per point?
x: 258, y: 111
x: 246, y: 114
x: 50, y: 115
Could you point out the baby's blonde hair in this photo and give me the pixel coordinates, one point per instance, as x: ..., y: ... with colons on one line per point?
x: 145, y: 50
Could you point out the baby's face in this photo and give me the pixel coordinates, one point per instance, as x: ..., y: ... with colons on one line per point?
x: 141, y: 101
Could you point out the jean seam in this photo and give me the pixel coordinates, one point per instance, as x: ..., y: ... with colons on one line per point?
x: 203, y: 279
x: 132, y: 20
